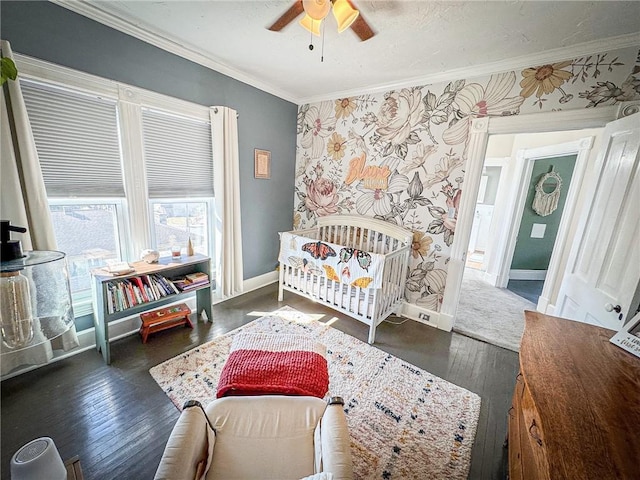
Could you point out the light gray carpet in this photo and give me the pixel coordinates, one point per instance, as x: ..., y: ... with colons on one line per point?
x: 493, y: 315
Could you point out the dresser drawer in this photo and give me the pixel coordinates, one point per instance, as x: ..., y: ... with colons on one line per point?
x: 532, y: 430
x: 514, y: 441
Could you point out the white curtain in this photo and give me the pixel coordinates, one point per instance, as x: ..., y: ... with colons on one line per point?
x: 228, y: 262
x: 23, y: 201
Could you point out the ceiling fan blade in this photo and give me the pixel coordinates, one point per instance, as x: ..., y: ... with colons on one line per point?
x: 362, y: 28
x: 288, y: 16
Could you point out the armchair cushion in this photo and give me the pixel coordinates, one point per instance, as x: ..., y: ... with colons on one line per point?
x: 260, y: 437
x: 263, y: 437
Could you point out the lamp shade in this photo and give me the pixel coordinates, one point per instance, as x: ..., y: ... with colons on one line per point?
x: 35, y: 300
x: 316, y: 9
x: 311, y: 25
x: 38, y: 459
x: 344, y: 14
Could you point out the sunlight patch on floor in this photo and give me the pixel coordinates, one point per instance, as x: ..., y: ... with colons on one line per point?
x: 259, y: 314
x: 293, y: 316
x: 332, y: 321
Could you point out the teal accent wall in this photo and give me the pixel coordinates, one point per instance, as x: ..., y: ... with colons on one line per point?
x: 535, y: 253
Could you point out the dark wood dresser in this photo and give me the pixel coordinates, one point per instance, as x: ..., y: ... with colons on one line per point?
x: 576, y: 405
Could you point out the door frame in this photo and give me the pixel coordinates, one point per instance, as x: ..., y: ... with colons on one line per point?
x: 525, y: 159
x: 479, y: 133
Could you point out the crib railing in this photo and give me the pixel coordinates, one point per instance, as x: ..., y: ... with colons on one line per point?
x: 368, y: 305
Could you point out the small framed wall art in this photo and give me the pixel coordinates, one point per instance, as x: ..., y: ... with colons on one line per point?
x: 262, y: 163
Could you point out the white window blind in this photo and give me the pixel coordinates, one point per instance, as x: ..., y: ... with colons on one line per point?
x: 76, y: 136
x: 178, y: 155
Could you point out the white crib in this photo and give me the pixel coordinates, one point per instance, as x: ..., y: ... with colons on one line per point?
x: 355, y: 234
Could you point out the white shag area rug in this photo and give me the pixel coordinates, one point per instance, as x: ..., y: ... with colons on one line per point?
x: 493, y: 315
x: 405, y: 423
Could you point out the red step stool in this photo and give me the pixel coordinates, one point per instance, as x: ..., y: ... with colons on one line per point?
x: 163, y: 318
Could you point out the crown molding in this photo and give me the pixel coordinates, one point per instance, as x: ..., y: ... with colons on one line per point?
x: 40, y: 70
x: 95, y: 13
x: 554, y: 55
x: 558, y: 54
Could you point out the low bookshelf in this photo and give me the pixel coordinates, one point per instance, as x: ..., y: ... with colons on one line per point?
x: 149, y: 286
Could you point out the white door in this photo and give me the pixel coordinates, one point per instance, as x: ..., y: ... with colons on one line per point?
x: 483, y: 216
x: 603, y: 270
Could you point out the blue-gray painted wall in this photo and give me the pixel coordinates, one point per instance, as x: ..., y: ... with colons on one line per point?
x: 49, y: 32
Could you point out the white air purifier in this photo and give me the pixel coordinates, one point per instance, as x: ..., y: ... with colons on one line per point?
x: 38, y: 460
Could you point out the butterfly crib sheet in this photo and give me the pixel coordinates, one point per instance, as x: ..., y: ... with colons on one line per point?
x: 336, y: 262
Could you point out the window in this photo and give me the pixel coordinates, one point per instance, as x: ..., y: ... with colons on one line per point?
x: 170, y: 142
x: 125, y: 169
x: 89, y: 234
x: 175, y: 223
x: 177, y: 155
x: 77, y: 139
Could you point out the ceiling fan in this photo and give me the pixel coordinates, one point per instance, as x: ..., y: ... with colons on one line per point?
x: 315, y: 11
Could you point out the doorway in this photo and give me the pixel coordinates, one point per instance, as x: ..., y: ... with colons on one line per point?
x: 540, y: 220
x: 519, y: 242
x: 479, y: 134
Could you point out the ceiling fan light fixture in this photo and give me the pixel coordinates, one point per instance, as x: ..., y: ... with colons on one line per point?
x: 344, y: 13
x: 316, y: 9
x: 311, y: 25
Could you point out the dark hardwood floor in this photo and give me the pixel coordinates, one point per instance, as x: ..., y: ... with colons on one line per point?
x: 117, y: 419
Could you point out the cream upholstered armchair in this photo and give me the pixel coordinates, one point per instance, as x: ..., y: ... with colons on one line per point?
x: 259, y: 437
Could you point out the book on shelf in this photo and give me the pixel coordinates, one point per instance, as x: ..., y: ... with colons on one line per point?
x: 193, y: 286
x: 196, y: 277
x: 122, y: 294
x: 139, y: 289
x: 153, y: 292
x: 191, y: 281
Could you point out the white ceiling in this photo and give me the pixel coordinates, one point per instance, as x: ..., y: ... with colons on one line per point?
x: 417, y: 42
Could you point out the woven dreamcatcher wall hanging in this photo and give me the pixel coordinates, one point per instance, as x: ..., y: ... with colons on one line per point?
x: 545, y: 203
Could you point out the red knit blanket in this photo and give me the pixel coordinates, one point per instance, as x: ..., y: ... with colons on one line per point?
x: 264, y: 364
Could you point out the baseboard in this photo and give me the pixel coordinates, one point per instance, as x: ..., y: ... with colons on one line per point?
x: 542, y: 305
x: 260, y: 281
x: 428, y: 317
x: 545, y: 307
x: 251, y: 284
x: 527, y: 274
x: 490, y: 278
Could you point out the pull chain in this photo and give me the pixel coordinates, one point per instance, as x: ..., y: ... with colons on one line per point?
x: 311, y: 35
x: 322, y: 50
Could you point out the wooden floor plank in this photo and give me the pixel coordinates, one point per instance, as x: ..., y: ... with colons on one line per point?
x: 117, y: 419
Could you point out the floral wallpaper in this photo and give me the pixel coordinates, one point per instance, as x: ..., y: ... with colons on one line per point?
x: 400, y: 156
